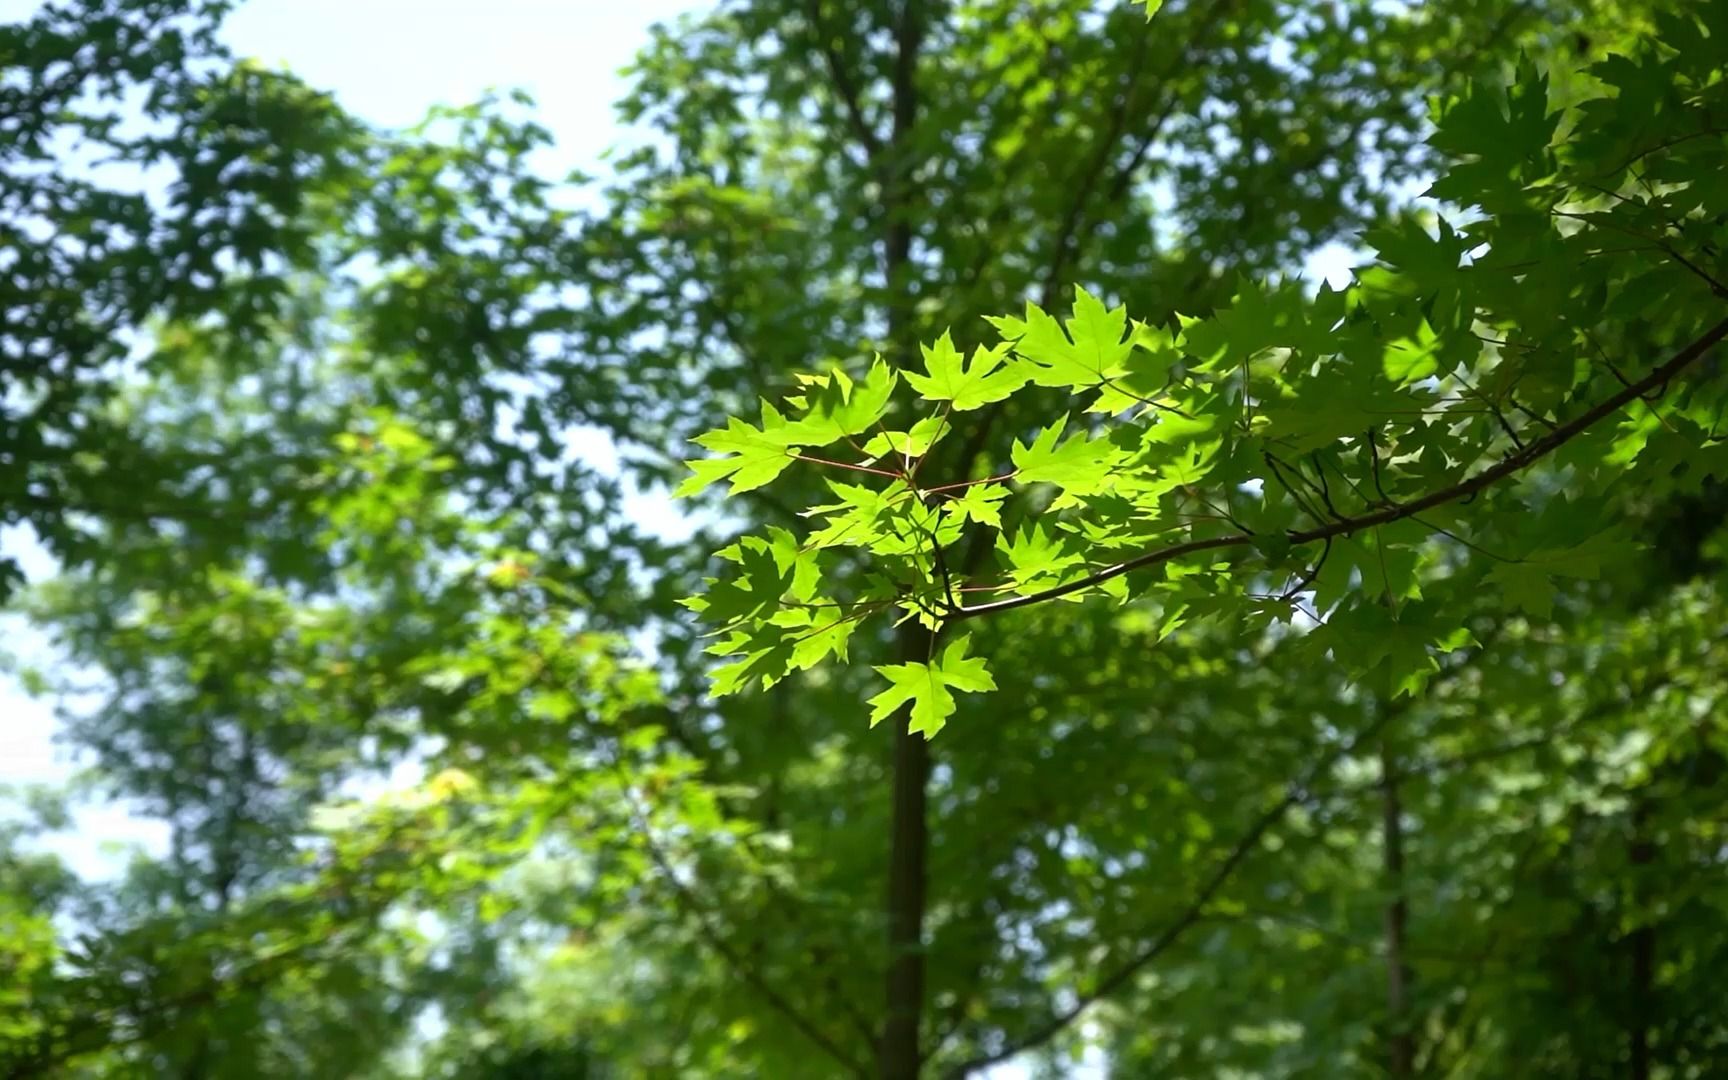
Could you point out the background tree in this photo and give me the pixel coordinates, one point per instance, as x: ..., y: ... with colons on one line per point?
x: 1390, y: 404
x: 967, y: 159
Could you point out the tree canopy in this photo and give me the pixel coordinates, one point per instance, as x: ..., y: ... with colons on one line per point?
x: 1090, y: 643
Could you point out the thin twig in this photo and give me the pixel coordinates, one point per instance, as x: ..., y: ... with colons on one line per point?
x: 813, y: 459
x: 705, y: 928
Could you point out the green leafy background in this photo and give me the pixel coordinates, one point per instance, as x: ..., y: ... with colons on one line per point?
x: 1089, y: 645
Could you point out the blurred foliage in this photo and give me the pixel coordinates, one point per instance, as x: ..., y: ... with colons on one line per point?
x: 318, y: 421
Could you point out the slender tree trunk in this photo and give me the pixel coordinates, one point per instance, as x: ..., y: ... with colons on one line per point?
x: 900, y: 1052
x: 1643, y: 970
x: 901, y: 1049
x: 1401, y: 1044
x: 1643, y: 945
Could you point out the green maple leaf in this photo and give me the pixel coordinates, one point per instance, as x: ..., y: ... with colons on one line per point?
x: 766, y: 665
x: 1389, y: 653
x: 828, y: 636
x: 1079, y: 466
x: 1406, y: 245
x: 1255, y: 320
x: 1034, y: 552
x: 790, y: 557
x: 1191, y: 464
x: 835, y: 406
x: 1146, y: 378
x: 862, y: 518
x: 1175, y: 428
x: 814, y: 633
x: 929, y: 687
x: 1498, y: 123
x: 1412, y: 359
x: 758, y: 454
x: 981, y: 503
x: 754, y: 593
x: 967, y: 386
x: 1504, y: 131
x: 1586, y: 558
x: 913, y: 443
x: 1092, y: 351
x: 1528, y: 582
x: 1526, y: 585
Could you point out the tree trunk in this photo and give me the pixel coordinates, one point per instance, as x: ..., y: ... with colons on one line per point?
x: 900, y: 1052
x: 1643, y: 945
x: 1401, y: 1043
x: 901, y: 1049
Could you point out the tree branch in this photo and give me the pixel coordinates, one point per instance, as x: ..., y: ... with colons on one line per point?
x: 705, y: 929
x: 1193, y: 913
x: 1345, y: 526
x: 843, y: 85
